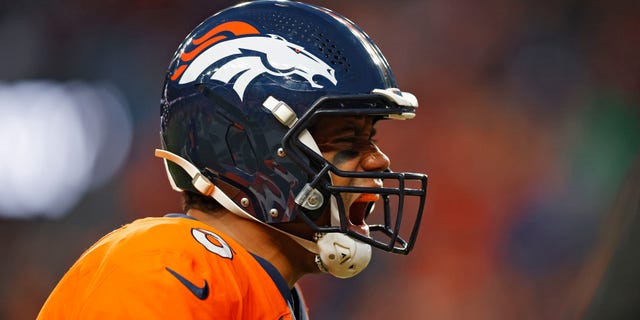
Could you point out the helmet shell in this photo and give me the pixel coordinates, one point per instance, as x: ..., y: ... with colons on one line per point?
x: 211, y: 107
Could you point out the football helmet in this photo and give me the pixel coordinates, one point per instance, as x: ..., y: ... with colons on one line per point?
x: 239, y: 97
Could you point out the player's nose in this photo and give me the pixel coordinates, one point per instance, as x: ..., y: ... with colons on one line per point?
x: 375, y: 160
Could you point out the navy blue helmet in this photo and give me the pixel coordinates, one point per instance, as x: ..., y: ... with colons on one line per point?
x: 239, y: 97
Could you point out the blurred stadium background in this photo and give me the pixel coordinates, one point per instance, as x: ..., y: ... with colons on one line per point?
x: 529, y: 126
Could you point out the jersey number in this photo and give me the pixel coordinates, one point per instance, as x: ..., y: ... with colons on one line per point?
x: 221, y: 248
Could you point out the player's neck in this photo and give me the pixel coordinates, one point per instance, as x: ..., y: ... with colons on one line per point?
x: 289, y: 258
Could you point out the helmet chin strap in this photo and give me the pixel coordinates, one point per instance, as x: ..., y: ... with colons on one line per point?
x: 336, y: 253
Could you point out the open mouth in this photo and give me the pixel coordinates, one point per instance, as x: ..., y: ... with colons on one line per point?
x: 358, y: 211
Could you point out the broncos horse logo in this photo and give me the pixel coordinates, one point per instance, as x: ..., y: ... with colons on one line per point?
x: 248, y: 55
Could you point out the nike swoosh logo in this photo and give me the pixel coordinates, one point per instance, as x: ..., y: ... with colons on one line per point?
x: 200, y: 293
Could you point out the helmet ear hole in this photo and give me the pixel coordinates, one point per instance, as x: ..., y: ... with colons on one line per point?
x: 317, y: 213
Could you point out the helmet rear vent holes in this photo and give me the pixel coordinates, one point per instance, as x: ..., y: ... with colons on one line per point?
x: 281, y: 153
x: 244, y: 202
x: 273, y: 213
x: 286, y: 24
x: 330, y: 51
x: 165, y: 115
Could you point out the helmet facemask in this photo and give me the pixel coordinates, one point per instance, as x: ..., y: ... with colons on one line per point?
x: 400, y: 192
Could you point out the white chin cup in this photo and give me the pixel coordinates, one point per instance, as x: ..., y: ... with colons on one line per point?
x: 341, y: 255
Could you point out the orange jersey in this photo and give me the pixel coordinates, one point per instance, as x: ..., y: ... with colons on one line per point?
x: 168, y: 268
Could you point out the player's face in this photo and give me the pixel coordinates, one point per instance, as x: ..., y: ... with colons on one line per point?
x: 347, y: 142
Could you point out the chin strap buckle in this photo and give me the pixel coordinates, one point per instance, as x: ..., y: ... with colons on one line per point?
x: 281, y: 111
x: 200, y: 182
